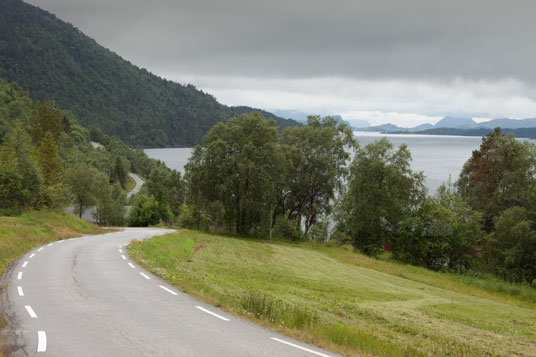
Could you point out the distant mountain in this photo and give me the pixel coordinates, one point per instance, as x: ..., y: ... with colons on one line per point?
x: 384, y: 128
x: 423, y: 127
x: 55, y: 61
x: 509, y: 123
x: 301, y: 117
x: 478, y: 131
x: 296, y: 115
x: 454, y: 122
x: 358, y: 123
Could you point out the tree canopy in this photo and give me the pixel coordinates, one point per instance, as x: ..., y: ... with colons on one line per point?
x: 501, y: 174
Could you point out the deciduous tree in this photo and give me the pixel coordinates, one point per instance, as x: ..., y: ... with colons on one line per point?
x: 501, y: 174
x: 383, y: 191
x: 318, y: 153
x: 237, y: 166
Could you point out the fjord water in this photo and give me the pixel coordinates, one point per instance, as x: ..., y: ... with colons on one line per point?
x: 438, y: 156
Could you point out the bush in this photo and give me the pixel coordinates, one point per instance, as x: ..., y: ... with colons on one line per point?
x: 341, y: 238
x: 287, y: 228
x: 192, y: 217
x: 148, y: 211
x: 512, y: 247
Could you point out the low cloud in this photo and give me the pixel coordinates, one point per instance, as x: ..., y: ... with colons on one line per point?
x: 415, y: 57
x: 404, y: 102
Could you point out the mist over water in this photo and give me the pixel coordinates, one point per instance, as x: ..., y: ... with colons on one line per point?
x: 438, y: 156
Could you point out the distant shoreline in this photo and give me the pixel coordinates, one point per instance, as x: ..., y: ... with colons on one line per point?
x: 522, y: 133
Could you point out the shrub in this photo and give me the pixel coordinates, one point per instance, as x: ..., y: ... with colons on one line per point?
x: 148, y: 211
x: 287, y: 228
x: 192, y: 217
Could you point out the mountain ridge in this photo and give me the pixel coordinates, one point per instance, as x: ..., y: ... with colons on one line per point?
x: 55, y: 61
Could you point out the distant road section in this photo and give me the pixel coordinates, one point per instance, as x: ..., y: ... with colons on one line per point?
x: 137, y: 188
x: 90, y: 213
x: 85, y: 297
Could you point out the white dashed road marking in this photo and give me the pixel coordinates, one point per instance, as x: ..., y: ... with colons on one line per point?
x: 211, y: 313
x: 24, y: 264
x: 124, y: 258
x: 145, y: 276
x: 40, y: 249
x: 33, y: 255
x: 300, y: 347
x: 120, y: 250
x: 132, y: 265
x: 49, y: 244
x: 41, y: 341
x: 30, y: 311
x: 168, y: 290
x: 19, y: 275
x: 19, y: 290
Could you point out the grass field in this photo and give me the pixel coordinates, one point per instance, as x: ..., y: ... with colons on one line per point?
x: 346, y: 302
x: 32, y: 229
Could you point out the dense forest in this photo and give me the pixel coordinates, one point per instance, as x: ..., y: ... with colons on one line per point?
x: 56, y: 62
x: 47, y: 161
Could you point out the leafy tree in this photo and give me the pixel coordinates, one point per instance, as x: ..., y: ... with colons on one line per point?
x: 317, y: 153
x: 501, y: 174
x: 287, y: 228
x: 383, y: 191
x: 111, y: 200
x: 167, y: 186
x: 85, y: 182
x: 192, y: 217
x: 11, y: 192
x: 19, y: 167
x: 147, y: 211
x: 512, y: 246
x: 237, y: 166
x: 120, y: 173
x: 442, y: 234
x: 56, y: 197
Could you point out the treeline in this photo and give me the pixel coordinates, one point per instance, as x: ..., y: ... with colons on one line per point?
x: 302, y: 184
x: 47, y: 161
x: 56, y: 62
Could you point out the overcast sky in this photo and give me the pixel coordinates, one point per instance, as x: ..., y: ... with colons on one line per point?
x: 400, y: 61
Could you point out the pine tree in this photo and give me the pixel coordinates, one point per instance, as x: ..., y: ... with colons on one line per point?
x: 49, y: 160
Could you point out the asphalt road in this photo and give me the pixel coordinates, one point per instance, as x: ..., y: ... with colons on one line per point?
x: 85, y: 297
x: 139, y: 183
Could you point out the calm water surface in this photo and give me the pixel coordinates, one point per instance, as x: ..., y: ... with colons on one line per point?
x: 438, y: 156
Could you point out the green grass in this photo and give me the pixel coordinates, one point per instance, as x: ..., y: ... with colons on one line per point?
x: 343, y: 301
x: 130, y: 184
x: 20, y: 234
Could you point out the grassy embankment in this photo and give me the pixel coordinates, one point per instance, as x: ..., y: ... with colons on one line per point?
x: 131, y: 183
x: 32, y: 229
x: 346, y: 302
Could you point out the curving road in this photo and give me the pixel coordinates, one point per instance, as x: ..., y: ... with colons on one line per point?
x: 85, y: 297
x: 137, y: 188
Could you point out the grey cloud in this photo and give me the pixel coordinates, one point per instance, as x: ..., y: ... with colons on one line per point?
x: 412, y: 39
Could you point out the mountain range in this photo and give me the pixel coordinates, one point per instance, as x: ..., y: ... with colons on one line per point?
x: 457, y: 123
x: 56, y: 62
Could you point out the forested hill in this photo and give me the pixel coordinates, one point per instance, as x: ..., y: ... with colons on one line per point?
x: 54, y: 61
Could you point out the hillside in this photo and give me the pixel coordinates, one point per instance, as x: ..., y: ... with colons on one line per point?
x: 54, y: 61
x: 345, y: 302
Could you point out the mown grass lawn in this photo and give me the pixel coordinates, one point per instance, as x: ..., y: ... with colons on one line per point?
x: 344, y: 301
